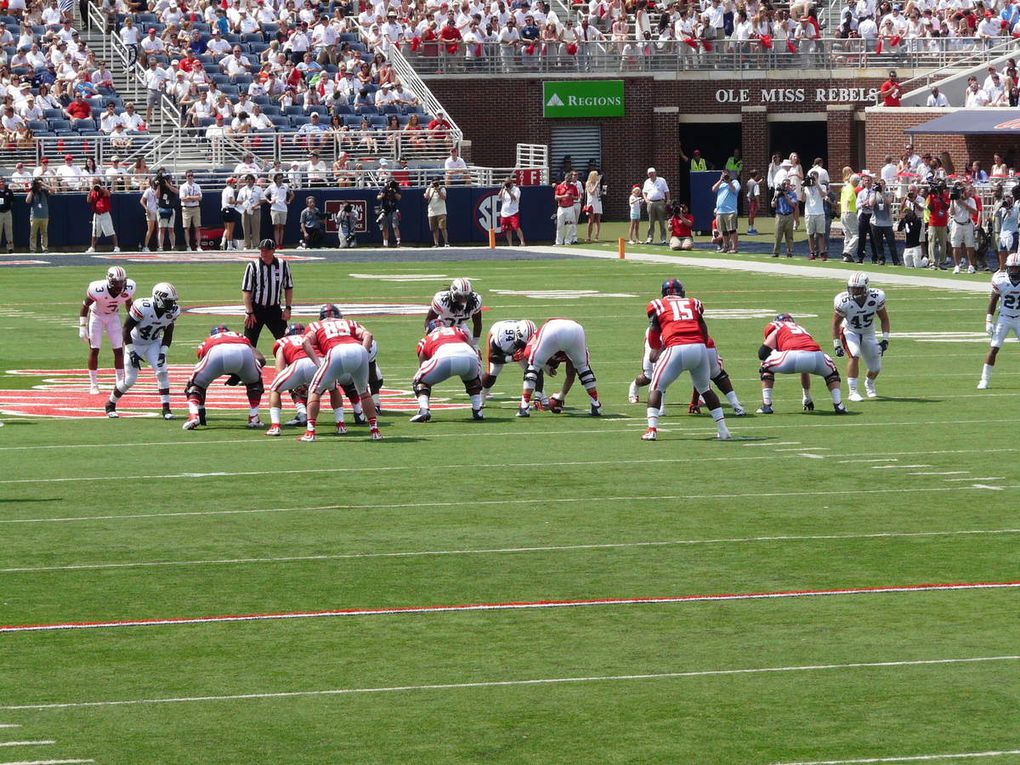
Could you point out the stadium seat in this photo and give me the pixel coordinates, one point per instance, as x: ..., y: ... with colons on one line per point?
x: 37, y: 126
x: 280, y: 122
x: 60, y: 125
x: 350, y: 37
x: 53, y: 114
x: 83, y: 125
x: 271, y: 110
x: 343, y: 109
x: 297, y: 120
x: 290, y: 111
x: 352, y: 121
x: 320, y: 109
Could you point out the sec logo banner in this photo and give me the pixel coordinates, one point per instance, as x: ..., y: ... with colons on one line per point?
x: 487, y: 214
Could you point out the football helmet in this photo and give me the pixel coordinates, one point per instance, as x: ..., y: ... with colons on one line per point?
x: 296, y: 329
x: 164, y: 296
x: 1013, y: 266
x: 784, y: 317
x: 116, y: 278
x: 673, y: 287
x: 330, y: 311
x: 432, y: 326
x: 525, y: 331
x: 217, y: 329
x: 857, y: 284
x: 461, y: 288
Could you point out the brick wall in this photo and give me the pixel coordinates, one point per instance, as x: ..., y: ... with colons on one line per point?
x: 496, y: 114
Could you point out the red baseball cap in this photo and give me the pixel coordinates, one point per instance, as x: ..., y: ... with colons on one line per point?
x: 68, y: 157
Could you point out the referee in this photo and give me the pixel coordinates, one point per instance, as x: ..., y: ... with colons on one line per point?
x: 264, y: 281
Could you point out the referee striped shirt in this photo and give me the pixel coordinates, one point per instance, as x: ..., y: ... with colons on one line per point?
x: 266, y: 282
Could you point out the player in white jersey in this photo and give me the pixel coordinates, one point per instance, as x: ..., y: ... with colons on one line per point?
x: 558, y: 341
x: 100, y: 312
x: 1005, y: 286
x: 148, y: 333
x: 505, y: 339
x: 853, y: 331
x: 456, y: 306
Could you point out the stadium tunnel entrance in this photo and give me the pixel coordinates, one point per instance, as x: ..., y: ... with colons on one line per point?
x: 716, y: 142
x: 809, y: 138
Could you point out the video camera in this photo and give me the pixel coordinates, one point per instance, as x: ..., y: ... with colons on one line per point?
x: 956, y: 192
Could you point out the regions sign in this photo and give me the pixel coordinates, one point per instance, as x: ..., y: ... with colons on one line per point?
x: 582, y: 98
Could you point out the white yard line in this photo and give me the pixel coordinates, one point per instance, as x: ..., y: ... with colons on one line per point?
x: 879, y: 535
x: 493, y: 502
x: 45, y: 742
x: 514, y: 683
x: 48, y: 762
x: 897, y: 467
x: 983, y: 478
x: 907, y: 758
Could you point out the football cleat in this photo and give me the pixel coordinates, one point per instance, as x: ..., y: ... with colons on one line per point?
x: 111, y: 410
x: 191, y: 424
x: 596, y: 410
x: 254, y: 421
x: 424, y: 415
x: 649, y: 435
x: 360, y: 418
x: 523, y: 412
x: 982, y: 385
x: 476, y: 414
x: 274, y: 430
x: 869, y: 389
x: 341, y: 429
x: 375, y: 434
x: 724, y: 433
x: 809, y: 405
x: 764, y: 409
x: 739, y: 411
x: 308, y: 437
x: 201, y: 415
x: 167, y: 414
x: 298, y: 421
x: 633, y: 400
x: 839, y: 408
x: 93, y: 390
x: 855, y: 396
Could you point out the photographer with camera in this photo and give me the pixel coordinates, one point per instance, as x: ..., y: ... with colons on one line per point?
x: 347, y: 220
x: 38, y: 201
x: 727, y: 194
x: 681, y: 231
x: 389, y: 212
x: 962, y: 209
x: 278, y: 195
x: 509, y: 199
x: 312, y: 227
x: 865, y: 209
x: 938, y: 223
x: 912, y: 224
x: 784, y: 202
x: 1007, y: 218
x: 882, y: 225
x: 166, y: 215
x: 102, y: 222
x: 815, y: 189
x: 435, y: 200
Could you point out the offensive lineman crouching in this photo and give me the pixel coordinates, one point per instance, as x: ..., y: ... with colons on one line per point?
x: 225, y: 353
x: 443, y: 353
x: 294, y: 372
x: 557, y: 341
x: 506, y: 339
x: 788, y: 348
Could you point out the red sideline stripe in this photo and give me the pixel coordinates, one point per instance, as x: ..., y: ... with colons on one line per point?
x: 507, y: 606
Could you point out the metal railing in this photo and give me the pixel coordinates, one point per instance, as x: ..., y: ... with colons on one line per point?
x: 972, y: 59
x: 751, y: 56
x: 411, y: 79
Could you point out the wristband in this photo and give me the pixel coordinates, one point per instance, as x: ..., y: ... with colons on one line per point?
x: 288, y: 307
x: 989, y: 318
x: 129, y: 348
x: 885, y: 336
x: 249, y: 313
x: 81, y: 321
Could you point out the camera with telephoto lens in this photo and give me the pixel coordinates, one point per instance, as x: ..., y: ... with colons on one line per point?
x: 937, y: 187
x: 956, y: 192
x: 810, y: 180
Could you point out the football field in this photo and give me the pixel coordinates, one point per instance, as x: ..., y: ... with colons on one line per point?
x: 820, y: 589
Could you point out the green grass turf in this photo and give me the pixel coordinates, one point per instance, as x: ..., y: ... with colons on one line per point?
x: 556, y: 507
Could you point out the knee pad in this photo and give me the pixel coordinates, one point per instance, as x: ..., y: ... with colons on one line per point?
x: 255, y: 391
x: 586, y: 377
x: 422, y: 388
x: 163, y: 378
x: 531, y: 377
x: 831, y: 378
x: 375, y: 378
x: 195, y: 393
x: 473, y: 387
x: 766, y: 375
x: 721, y: 378
x: 352, y: 393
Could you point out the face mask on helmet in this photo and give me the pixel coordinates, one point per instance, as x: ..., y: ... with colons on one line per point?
x: 116, y: 277
x: 673, y: 287
x: 784, y: 317
x: 296, y: 329
x: 219, y: 328
x: 164, y: 296
x: 330, y: 311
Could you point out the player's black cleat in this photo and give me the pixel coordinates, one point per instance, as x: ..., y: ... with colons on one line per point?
x: 840, y: 409
x: 201, y: 415
x: 476, y: 414
x: 809, y: 405
x: 111, y: 410
x: 523, y: 412
x: 764, y: 409
x: 360, y: 418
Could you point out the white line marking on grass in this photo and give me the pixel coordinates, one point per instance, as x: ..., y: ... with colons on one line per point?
x: 45, y: 742
x: 48, y: 762
x: 483, y: 502
x: 874, y: 459
x: 177, y: 621
x: 975, y: 478
x: 896, y: 467
x: 813, y: 448
x: 940, y: 472
x: 986, y: 486
x: 811, y: 456
x: 511, y: 550
x: 909, y: 758
x: 513, y: 683
x: 9, y: 725
x: 777, y: 443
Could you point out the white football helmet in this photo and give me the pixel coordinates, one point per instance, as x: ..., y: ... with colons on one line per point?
x: 1013, y: 265
x: 525, y: 330
x: 164, y: 295
x: 116, y: 277
x: 461, y: 288
x: 857, y: 284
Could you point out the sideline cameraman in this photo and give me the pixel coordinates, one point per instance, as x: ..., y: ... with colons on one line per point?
x: 38, y: 200
x: 680, y: 228
x: 938, y: 222
x: 816, y: 187
x: 1007, y: 220
x: 347, y: 221
x: 962, y: 209
x: 389, y: 211
x: 166, y: 214
x: 882, y: 224
x: 102, y: 222
x: 435, y: 199
x: 727, y: 192
x: 509, y: 198
x: 784, y: 202
x: 311, y: 225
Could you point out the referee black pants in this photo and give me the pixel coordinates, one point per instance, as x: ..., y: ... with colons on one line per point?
x: 270, y: 317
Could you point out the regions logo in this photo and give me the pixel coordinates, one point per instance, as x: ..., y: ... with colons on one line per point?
x: 64, y: 393
x: 349, y: 309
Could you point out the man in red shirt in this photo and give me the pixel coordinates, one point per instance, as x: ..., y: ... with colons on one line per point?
x: 566, y: 195
x: 890, y: 91
x: 438, y: 127
x: 225, y: 353
x: 938, y: 225
x: 79, y: 109
x: 677, y: 337
x: 450, y: 35
x: 102, y: 222
x: 788, y: 348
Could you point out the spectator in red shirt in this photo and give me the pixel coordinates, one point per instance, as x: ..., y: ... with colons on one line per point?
x: 938, y: 225
x: 890, y: 91
x: 681, y: 235
x: 450, y: 35
x: 566, y: 195
x: 79, y: 109
x: 102, y: 222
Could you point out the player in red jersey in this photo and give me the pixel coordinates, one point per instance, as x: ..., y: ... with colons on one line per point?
x: 788, y: 348
x: 339, y: 347
x: 678, y: 338
x: 225, y: 353
x: 443, y: 353
x: 294, y: 372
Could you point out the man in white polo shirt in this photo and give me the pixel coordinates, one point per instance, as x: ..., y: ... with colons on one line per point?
x: 656, y: 194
